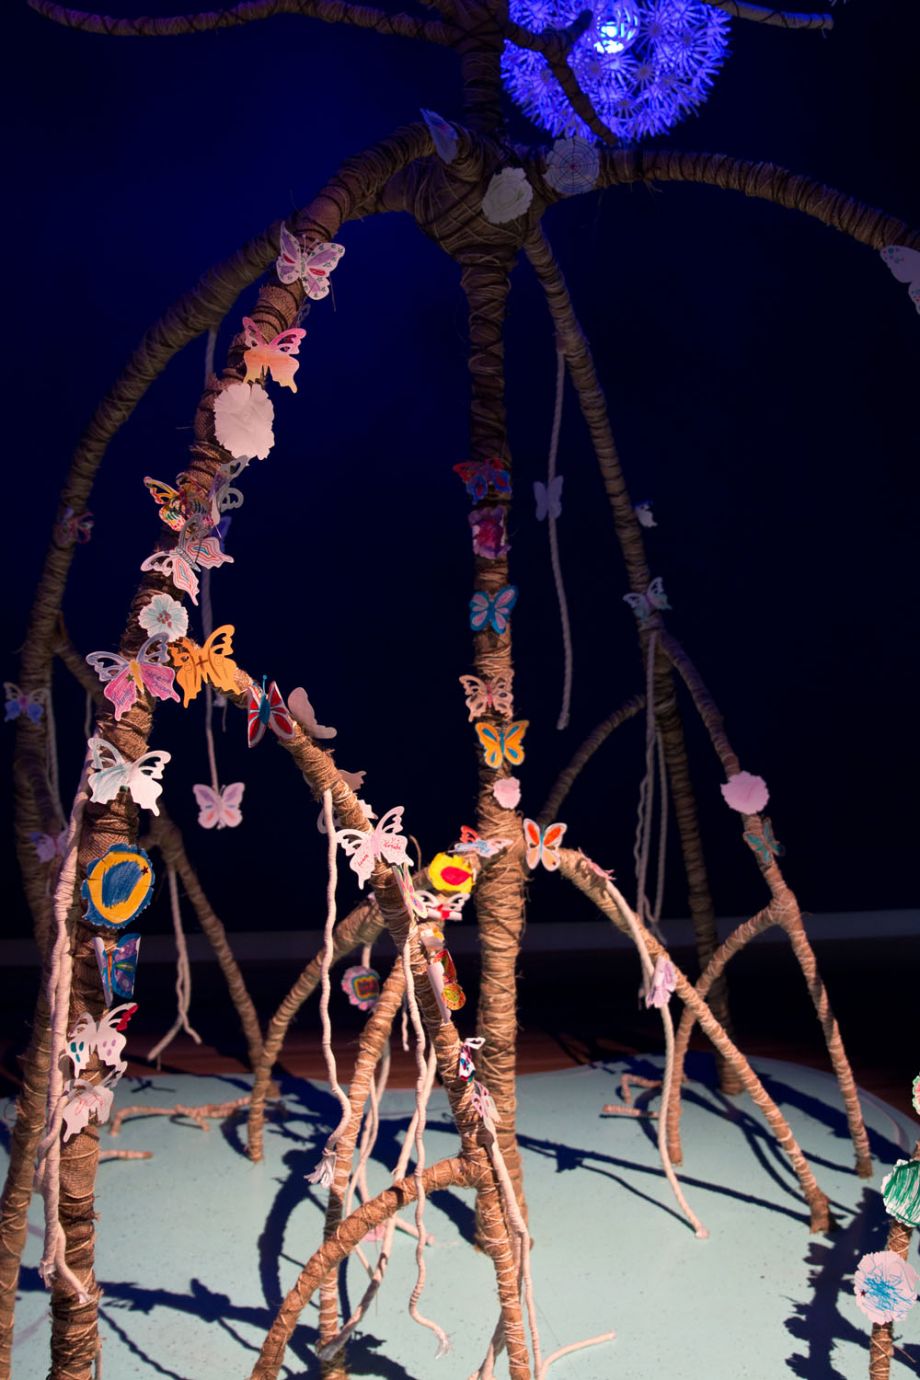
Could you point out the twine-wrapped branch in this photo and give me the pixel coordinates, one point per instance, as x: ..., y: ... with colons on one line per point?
x: 781, y: 19
x: 881, y: 1342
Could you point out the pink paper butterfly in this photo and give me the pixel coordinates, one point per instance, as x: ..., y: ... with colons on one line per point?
x: 48, y: 846
x: 485, y: 695
x: 220, y: 808
x: 384, y: 842
x: 182, y: 561
x: 125, y: 678
x: 311, y: 266
x: 85, y: 1100
x: 275, y: 356
x: 543, y: 844
x: 549, y: 498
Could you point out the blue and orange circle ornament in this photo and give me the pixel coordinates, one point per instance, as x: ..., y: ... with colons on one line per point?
x: 118, y: 886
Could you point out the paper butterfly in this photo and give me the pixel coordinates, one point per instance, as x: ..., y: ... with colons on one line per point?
x: 181, y: 563
x: 470, y: 842
x: 225, y: 496
x: 442, y: 907
x: 300, y: 706
x: 118, y: 886
x: 767, y: 847
x: 48, y: 846
x: 187, y: 504
x: 481, y: 475
x: 643, y: 512
x: 443, y: 135
x: 362, y: 987
x: 413, y: 903
x: 114, y: 773
x: 18, y: 703
x: 905, y: 265
x: 275, y: 356
x: 220, y: 808
x: 484, y: 1103
x: 549, y: 498
x: 543, y: 844
x: 311, y: 266
x: 209, y: 663
x: 644, y: 605
x: 485, y: 695
x: 501, y: 743
x: 85, y: 1100
x: 664, y: 980
x: 367, y: 810
x: 466, y: 1068
x: 266, y: 709
x: 493, y: 610
x: 127, y: 678
x: 117, y: 966
x: 442, y: 972
x: 385, y: 842
x: 71, y: 527
x: 105, y: 1038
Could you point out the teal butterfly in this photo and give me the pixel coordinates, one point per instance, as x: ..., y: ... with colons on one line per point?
x: 767, y: 847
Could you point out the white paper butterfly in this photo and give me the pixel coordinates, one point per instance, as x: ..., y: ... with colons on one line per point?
x: 905, y: 265
x: 442, y: 907
x: 311, y: 266
x: 102, y: 1037
x: 85, y: 1100
x: 549, y: 497
x: 115, y: 773
x: 300, y: 706
x: 220, y: 808
x: 385, y: 842
x: 485, y: 695
x: 644, y: 605
x: 225, y: 495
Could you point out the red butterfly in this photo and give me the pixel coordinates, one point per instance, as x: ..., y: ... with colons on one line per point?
x: 266, y: 709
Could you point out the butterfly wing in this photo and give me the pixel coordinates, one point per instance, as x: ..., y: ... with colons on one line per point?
x: 552, y: 842
x: 143, y: 779
x: 470, y: 471
x: 124, y: 965
x: 280, y: 720
x: 542, y: 498
x: 513, y: 741
x: 231, y: 798
x: 502, y: 604
x: 480, y: 610
x: 533, y: 840
x: 903, y: 262
x: 554, y: 496
x: 498, y: 477
x: 477, y: 696
x: 492, y: 744
x: 656, y: 595
x: 288, y: 263
x: 302, y: 710
x: 208, y: 802
x: 501, y: 695
x: 169, y: 502
x: 389, y: 841
x: 186, y: 658
x: 317, y: 264
x: 773, y: 843
x: 759, y: 845
x: 122, y: 691
x: 104, y: 961
x: 255, y: 727
x: 360, y: 848
x: 639, y: 605
x: 218, y: 666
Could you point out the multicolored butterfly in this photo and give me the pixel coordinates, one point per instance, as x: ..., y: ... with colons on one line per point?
x: 210, y: 663
x: 543, y: 844
x: 905, y: 265
x: 501, y: 743
x: 275, y: 357
x: 548, y: 497
x: 178, y: 507
x: 266, y: 708
x: 72, y: 527
x: 311, y: 267
x: 300, y: 706
x: 490, y: 535
x: 220, y: 808
x: 127, y: 678
x: 480, y: 475
x: 114, y: 773
x: 442, y: 972
x: 644, y: 605
x: 767, y: 847
x: 384, y: 843
x: 470, y: 842
x: 24, y: 704
x: 493, y: 610
x: 118, y: 886
x: 465, y: 1066
x: 485, y: 695
x: 118, y: 966
x: 181, y: 563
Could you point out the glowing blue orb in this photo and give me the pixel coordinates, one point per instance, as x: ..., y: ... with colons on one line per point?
x: 645, y: 64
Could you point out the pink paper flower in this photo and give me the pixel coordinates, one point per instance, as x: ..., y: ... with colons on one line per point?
x: 243, y: 417
x: 885, y: 1287
x: 507, y: 791
x: 489, y: 535
x: 745, y: 793
x: 362, y: 987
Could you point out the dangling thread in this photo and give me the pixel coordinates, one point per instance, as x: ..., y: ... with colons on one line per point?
x: 207, y: 624
x: 52, y: 757
x: 563, y: 720
x: 645, y: 812
x: 183, y: 974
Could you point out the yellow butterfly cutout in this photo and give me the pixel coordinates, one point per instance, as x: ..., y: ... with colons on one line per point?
x: 210, y: 662
x: 504, y: 742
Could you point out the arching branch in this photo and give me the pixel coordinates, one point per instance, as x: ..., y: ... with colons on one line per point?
x: 598, y: 736
x: 781, y: 19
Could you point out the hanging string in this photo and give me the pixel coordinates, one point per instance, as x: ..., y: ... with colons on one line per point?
x: 563, y: 720
x: 655, y: 917
x: 52, y: 758
x: 643, y: 839
x: 183, y: 974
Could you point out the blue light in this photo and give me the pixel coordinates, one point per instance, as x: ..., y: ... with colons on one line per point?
x: 645, y: 64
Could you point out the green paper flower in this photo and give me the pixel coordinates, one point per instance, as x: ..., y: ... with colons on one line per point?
x: 901, y: 1192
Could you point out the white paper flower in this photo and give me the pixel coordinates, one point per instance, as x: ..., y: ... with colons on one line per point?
x: 243, y: 417
x: 507, y: 196
x: 164, y: 614
x: 572, y: 166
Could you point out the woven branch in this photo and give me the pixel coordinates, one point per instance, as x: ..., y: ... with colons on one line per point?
x: 881, y: 1342
x: 595, y: 739
x: 782, y: 19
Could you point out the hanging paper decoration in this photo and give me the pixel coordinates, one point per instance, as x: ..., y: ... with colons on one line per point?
x: 644, y: 605
x: 481, y: 475
x: 643, y: 512
x: 470, y: 842
x: 414, y: 904
x: 127, y: 678
x: 767, y: 847
x: 663, y: 983
x: 105, y: 1038
x: 118, y: 886
x: 485, y: 696
x: 885, y: 1287
x: 490, y: 538
x: 442, y: 908
x: 275, y: 357
x: 507, y: 791
x: 383, y: 843
x: 243, y: 421
x: 362, y: 987
x: 543, y: 844
x: 354, y: 780
x: 465, y: 1066
x: 189, y: 504
x: 503, y: 742
x: 311, y: 267
x: 493, y: 610
x: 508, y: 196
x: 225, y: 496
x: 114, y: 773
x: 73, y: 527
x: 905, y: 265
x: 210, y: 663
x: 184, y: 559
x: 164, y: 617
x: 48, y: 846
x: 445, y: 138
x: 548, y: 497
x: 220, y: 809
x: 302, y: 710
x: 117, y: 966
x: 367, y: 810
x: 572, y: 166
x: 745, y: 793
x: 267, y: 709
x: 901, y: 1192
x: 450, y: 872
x: 24, y: 704
x: 86, y: 1101
x: 442, y: 973
x: 484, y: 1103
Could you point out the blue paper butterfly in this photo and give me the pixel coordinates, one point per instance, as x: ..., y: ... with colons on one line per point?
x: 118, y: 966
x: 768, y: 846
x: 493, y: 610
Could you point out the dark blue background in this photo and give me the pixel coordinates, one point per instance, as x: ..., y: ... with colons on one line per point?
x: 762, y: 375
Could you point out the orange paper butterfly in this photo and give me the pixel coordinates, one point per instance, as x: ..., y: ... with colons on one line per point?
x: 275, y: 357
x: 210, y: 662
x: 543, y: 844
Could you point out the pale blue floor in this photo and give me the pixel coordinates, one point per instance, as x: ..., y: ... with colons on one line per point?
x: 197, y: 1246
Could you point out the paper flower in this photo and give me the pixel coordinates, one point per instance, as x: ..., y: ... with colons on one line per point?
x: 362, y: 987
x: 572, y: 166
x: 324, y: 1173
x: 489, y: 535
x: 507, y: 791
x: 508, y: 196
x: 450, y: 872
x: 165, y: 615
x: 745, y: 793
x: 885, y: 1287
x: 664, y: 980
x: 901, y: 1192
x: 243, y: 417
